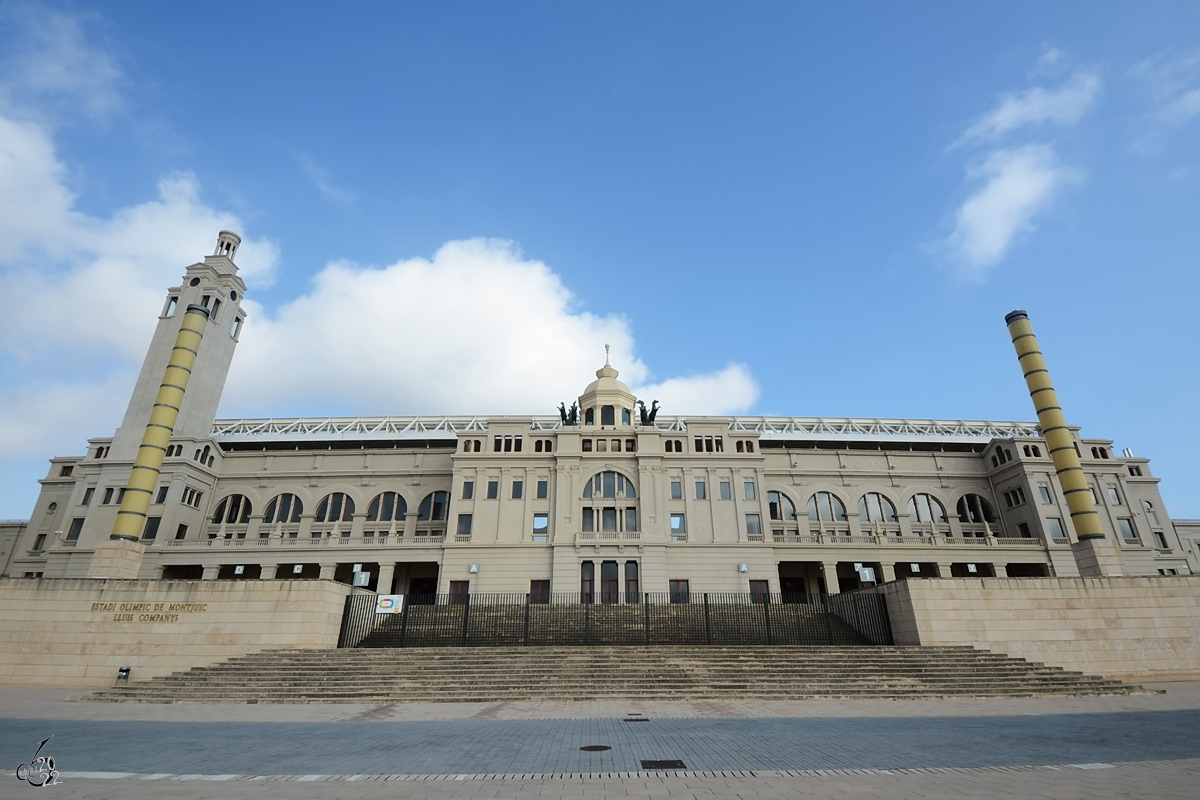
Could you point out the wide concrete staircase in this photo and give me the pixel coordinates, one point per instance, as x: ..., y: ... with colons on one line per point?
x: 498, y: 674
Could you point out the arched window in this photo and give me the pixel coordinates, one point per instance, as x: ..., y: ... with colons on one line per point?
x: 1151, y: 515
x: 233, y: 510
x: 973, y: 508
x: 284, y: 508
x: 926, y: 508
x: 608, y: 416
x: 780, y: 507
x: 749, y: 447
x: 826, y: 507
x: 670, y: 446
x: 874, y: 507
x: 335, y: 507
x: 741, y: 446
x: 589, y: 417
x: 387, y: 507
x: 435, y: 507
x: 609, y: 484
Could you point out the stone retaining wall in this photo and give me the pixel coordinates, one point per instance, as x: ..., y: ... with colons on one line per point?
x: 80, y: 631
x: 1116, y: 627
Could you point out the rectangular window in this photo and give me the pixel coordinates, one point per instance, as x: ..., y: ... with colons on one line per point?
x: 676, y: 490
x: 1114, y: 495
x: 518, y: 489
x: 1095, y: 497
x: 720, y: 443
x: 699, y: 444
x: 677, y: 524
x: 39, y: 542
x: 541, y: 523
x: 631, y: 524
x: 181, y: 532
x: 493, y: 491
x: 517, y: 444
x: 65, y: 472
x: 108, y: 495
x: 237, y: 327
x: 162, y: 495
x: 760, y: 592
x: 588, y: 521
x: 459, y: 590
x: 543, y: 490
x: 726, y: 492
x: 498, y: 444
x: 468, y: 490
x: 1056, y: 528
x: 539, y: 592
x: 753, y: 525
x: 87, y: 497
x: 586, y: 445
x: 76, y: 527
x: 508, y: 444
x: 1045, y: 492
x: 464, y: 525
x: 1135, y: 472
x: 216, y: 306
x: 750, y: 490
x: 1125, y: 526
x: 121, y: 496
x: 602, y: 445
x: 701, y: 492
x: 1024, y: 529
x: 1160, y: 541
x: 679, y: 591
x: 630, y: 445
x: 609, y: 520
x: 151, y: 532
x: 171, y: 304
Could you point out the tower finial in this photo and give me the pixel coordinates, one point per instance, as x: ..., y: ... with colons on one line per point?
x: 606, y: 356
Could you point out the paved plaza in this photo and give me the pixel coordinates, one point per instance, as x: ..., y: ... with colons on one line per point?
x: 1136, y: 746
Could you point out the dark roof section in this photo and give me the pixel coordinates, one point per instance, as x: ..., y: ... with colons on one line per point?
x: 261, y: 445
x: 873, y: 444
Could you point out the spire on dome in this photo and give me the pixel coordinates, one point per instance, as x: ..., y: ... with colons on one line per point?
x: 607, y: 371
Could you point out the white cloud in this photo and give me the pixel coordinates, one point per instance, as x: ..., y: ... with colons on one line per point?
x: 1016, y: 185
x: 1064, y: 105
x: 53, y: 63
x: 476, y: 329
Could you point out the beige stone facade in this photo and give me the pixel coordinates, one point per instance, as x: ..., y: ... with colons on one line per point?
x: 614, y: 500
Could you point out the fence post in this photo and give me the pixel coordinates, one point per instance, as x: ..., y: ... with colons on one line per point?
x: 828, y: 622
x: 707, y: 622
x: 466, y: 617
x: 525, y: 638
x: 404, y: 621
x: 766, y: 598
x: 647, y: 609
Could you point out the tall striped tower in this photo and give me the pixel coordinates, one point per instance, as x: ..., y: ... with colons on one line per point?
x: 1094, y: 553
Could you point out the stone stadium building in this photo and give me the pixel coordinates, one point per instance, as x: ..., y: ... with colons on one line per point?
x: 608, y: 499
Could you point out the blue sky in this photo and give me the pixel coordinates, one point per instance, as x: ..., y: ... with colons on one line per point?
x: 772, y: 208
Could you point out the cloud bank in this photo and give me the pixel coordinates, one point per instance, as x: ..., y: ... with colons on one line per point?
x: 477, y: 328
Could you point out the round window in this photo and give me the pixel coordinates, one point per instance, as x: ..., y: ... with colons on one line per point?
x: 194, y: 282
x: 233, y: 295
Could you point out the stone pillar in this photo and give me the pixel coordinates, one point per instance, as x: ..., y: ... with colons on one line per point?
x: 268, y: 572
x: 210, y: 572
x: 383, y: 584
x: 327, y: 571
x: 943, y: 569
x: 829, y: 572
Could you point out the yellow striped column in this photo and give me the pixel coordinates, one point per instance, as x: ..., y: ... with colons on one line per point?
x: 132, y: 517
x: 1061, y: 445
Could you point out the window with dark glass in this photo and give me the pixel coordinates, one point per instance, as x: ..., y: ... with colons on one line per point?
x: 631, y: 581
x: 760, y: 592
x: 726, y: 491
x: 387, y: 507
x: 678, y: 591
x: 589, y: 417
x: 464, y: 525
x: 701, y: 491
x: 587, y: 581
x: 609, y: 582
x: 926, y: 508
x: 543, y: 489
x: 539, y: 592
x: 151, y: 532
x: 76, y: 528
x: 518, y: 488
x: 676, y: 490
x: 608, y: 415
x: 284, y: 508
x: 625, y: 417
x: 234, y: 509
x: 973, y: 508
x: 336, y: 507
x: 468, y: 490
x: 493, y: 490
x: 434, y: 507
x: 826, y: 507
x: 874, y: 507
x: 87, y: 497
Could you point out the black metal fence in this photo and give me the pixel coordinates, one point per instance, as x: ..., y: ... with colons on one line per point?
x: 722, y: 618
